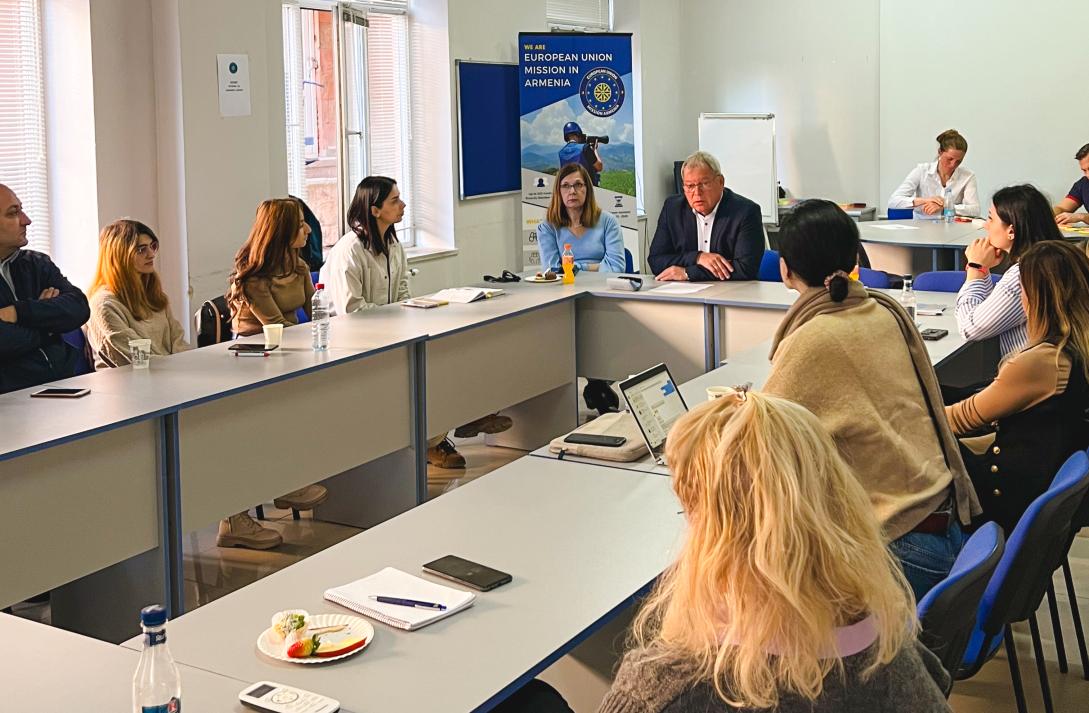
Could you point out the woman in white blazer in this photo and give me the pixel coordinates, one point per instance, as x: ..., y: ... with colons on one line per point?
x: 924, y: 188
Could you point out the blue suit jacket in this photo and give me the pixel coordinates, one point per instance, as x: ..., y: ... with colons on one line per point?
x: 737, y: 235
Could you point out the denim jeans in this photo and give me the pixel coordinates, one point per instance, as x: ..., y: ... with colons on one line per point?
x: 926, y: 559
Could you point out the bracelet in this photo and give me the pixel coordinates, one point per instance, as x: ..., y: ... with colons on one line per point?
x: 977, y: 266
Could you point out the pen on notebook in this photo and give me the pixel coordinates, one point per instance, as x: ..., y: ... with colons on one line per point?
x: 408, y: 602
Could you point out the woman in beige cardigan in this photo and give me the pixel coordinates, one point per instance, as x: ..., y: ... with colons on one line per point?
x: 854, y: 358
x: 127, y: 298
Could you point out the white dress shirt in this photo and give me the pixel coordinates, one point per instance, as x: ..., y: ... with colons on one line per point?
x: 924, y: 181
x: 704, y: 224
x: 5, y: 271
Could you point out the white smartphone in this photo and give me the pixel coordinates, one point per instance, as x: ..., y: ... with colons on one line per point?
x: 57, y: 393
x: 278, y: 698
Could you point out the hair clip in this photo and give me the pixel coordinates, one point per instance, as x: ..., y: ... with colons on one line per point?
x: 743, y: 390
x: 837, y: 273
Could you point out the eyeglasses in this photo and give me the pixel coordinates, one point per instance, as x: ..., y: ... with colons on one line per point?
x: 702, y: 186
x: 507, y: 276
x: 577, y: 186
x: 147, y: 249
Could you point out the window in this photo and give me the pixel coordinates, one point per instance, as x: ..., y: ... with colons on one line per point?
x: 585, y: 15
x: 346, y: 87
x: 22, y: 114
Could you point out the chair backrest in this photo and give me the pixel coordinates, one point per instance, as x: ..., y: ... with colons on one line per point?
x: 944, y: 280
x: 901, y: 213
x: 314, y: 277
x: 85, y: 361
x: 629, y: 262
x: 769, y: 267
x: 1035, y: 549
x: 948, y: 611
x: 875, y: 279
x: 213, y: 322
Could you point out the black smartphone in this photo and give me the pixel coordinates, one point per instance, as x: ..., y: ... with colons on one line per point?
x: 471, y: 574
x: 251, y: 349
x: 933, y: 335
x: 57, y: 393
x: 596, y: 439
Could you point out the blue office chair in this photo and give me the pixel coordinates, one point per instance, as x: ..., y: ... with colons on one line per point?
x: 769, y: 267
x: 629, y: 262
x: 948, y: 611
x: 875, y: 279
x: 1033, y: 552
x: 76, y: 339
x: 901, y: 213
x: 944, y: 280
x: 314, y: 277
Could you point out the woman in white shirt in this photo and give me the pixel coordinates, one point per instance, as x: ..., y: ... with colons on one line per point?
x: 367, y: 268
x: 924, y: 188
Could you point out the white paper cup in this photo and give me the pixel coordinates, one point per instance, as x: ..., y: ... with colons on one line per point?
x: 140, y: 353
x: 274, y: 335
x: 717, y: 392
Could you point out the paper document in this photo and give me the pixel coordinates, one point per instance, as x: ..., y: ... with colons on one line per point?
x: 893, y: 226
x: 679, y: 288
x: 465, y: 295
x: 924, y: 310
x: 392, y: 582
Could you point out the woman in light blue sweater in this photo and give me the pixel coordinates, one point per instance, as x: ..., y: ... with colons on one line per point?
x: 574, y: 217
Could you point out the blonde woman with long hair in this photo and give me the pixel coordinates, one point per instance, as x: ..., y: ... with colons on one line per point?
x: 784, y: 596
x: 127, y: 297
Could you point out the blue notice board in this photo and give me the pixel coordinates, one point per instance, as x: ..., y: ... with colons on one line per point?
x: 489, y: 143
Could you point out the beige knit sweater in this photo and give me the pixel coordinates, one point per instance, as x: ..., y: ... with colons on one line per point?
x: 862, y: 369
x: 112, y: 325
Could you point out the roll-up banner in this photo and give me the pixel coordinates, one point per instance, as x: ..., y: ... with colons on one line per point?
x: 576, y: 106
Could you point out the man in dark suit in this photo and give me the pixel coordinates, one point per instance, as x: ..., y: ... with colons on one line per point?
x: 709, y: 233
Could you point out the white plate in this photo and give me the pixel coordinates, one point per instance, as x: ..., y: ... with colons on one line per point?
x: 541, y: 281
x: 357, y: 626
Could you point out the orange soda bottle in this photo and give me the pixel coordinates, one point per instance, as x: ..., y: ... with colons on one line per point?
x: 568, y: 261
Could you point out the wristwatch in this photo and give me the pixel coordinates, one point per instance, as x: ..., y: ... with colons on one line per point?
x: 977, y: 266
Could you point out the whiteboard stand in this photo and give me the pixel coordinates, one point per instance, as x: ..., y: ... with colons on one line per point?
x: 744, y: 145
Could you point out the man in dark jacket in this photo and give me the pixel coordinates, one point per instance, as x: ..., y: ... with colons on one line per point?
x: 37, y: 306
x: 709, y: 233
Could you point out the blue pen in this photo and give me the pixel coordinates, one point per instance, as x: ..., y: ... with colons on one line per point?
x: 408, y: 603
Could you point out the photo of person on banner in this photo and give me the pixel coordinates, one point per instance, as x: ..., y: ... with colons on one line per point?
x: 582, y: 149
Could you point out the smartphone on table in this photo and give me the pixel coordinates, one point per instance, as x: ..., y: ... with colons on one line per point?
x: 54, y: 392
x: 466, y: 572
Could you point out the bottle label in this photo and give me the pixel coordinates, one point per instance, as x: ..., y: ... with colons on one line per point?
x: 174, y: 705
x: 155, y: 637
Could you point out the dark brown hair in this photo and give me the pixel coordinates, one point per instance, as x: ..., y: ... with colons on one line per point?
x: 818, y: 239
x: 267, y: 252
x: 1082, y: 153
x: 1029, y: 212
x: 557, y: 212
x: 951, y: 139
x: 371, y: 192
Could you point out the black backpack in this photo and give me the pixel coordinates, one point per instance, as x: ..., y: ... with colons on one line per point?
x: 214, y: 322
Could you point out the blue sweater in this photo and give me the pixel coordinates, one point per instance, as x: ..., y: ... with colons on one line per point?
x: 599, y: 244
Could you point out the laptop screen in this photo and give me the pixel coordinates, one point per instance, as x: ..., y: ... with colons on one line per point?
x: 655, y: 402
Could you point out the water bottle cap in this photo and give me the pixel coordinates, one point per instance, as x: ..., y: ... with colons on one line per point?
x: 153, y: 615
x: 567, y: 246
x: 319, y: 286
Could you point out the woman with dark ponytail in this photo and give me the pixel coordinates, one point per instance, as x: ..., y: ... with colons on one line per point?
x: 854, y: 358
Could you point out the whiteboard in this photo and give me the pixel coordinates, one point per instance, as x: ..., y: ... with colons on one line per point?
x: 744, y: 145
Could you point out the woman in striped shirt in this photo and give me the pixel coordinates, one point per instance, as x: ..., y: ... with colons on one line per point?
x: 1020, y: 217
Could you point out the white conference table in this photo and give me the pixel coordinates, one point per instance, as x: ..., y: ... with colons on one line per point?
x: 49, y: 670
x: 580, y: 542
x: 899, y: 246
x: 753, y: 366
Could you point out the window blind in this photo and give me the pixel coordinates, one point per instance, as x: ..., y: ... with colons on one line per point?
x: 593, y: 15
x: 388, y: 112
x: 22, y: 114
x: 293, y: 99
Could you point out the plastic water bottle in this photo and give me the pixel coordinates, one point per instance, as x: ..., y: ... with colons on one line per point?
x: 568, y: 261
x: 907, y: 298
x: 156, y: 687
x: 319, y: 318
x: 949, y: 208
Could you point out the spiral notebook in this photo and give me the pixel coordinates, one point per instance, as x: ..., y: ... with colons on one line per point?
x: 391, y: 582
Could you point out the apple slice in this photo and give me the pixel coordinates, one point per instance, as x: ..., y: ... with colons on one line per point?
x: 340, y: 647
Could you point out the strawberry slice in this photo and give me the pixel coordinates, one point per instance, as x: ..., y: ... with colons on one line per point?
x: 303, y: 649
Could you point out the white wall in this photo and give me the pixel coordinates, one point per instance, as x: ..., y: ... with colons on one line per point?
x: 813, y: 64
x: 1004, y: 73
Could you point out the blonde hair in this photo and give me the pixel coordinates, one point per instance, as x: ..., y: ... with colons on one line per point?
x: 557, y: 212
x: 782, y: 548
x: 142, y: 294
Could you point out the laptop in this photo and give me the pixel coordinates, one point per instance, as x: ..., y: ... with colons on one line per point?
x: 656, y: 403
